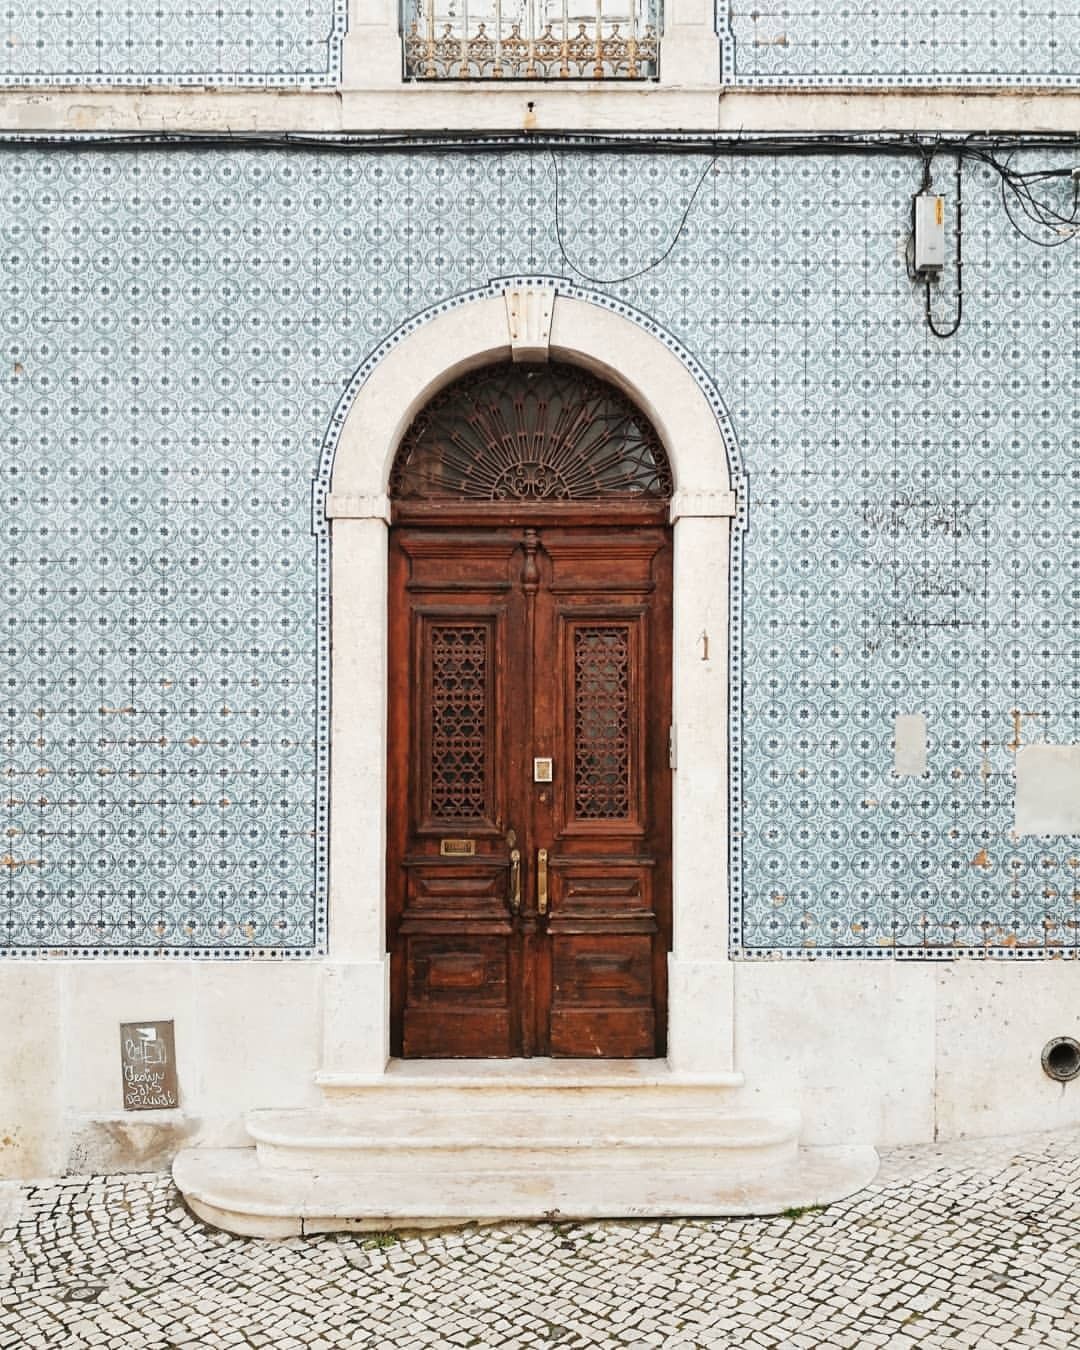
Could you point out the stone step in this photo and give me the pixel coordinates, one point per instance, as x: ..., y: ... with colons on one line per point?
x: 230, y: 1189
x: 387, y: 1135
x: 606, y: 1085
x: 430, y: 1143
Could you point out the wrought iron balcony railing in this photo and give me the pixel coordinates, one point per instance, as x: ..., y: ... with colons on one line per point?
x: 531, y: 39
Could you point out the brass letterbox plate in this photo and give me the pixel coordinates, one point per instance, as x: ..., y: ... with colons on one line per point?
x: 148, y: 1063
x: 457, y: 848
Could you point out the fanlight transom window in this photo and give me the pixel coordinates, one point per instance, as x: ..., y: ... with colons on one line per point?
x: 530, y: 433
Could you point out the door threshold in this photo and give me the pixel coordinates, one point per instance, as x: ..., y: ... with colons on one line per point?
x: 535, y: 1072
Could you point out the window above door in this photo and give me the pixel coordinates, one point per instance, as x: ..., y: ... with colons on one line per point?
x: 531, y: 433
x: 531, y: 39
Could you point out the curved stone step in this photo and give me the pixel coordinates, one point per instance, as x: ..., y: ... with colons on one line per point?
x: 388, y: 1137
x: 436, y: 1143
x: 510, y: 1127
x: 230, y: 1189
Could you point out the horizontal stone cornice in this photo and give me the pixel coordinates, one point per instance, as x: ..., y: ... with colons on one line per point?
x: 539, y: 107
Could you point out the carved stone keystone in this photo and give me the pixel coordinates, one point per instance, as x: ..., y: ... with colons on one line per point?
x: 528, y: 317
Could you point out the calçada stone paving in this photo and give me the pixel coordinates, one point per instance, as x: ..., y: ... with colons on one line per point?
x: 960, y: 1245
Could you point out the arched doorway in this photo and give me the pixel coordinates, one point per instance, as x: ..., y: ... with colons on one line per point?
x: 529, y: 785
x: 361, y: 1157
x: 399, y: 381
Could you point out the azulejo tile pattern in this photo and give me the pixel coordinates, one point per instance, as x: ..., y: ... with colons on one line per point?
x: 271, y: 43
x: 913, y: 43
x: 830, y: 43
x: 181, y: 334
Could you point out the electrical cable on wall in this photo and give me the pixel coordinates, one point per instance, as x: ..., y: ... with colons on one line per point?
x: 1039, y: 213
x: 641, y: 271
x: 733, y: 143
x: 948, y: 332
x: 1018, y: 189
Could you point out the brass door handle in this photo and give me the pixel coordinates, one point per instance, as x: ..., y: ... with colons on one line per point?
x: 515, y: 873
x: 542, y: 880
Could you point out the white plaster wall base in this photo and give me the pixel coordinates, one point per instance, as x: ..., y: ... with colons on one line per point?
x: 246, y: 1033
x: 852, y: 1041
x: 32, y: 1067
x: 899, y: 1052
x: 883, y: 1053
x: 992, y: 1019
x: 141, y: 1141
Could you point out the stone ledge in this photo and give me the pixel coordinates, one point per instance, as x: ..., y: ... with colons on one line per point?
x: 492, y: 1075
x: 228, y: 1188
x: 481, y: 107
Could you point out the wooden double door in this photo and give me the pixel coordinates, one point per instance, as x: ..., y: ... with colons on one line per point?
x: 529, y: 827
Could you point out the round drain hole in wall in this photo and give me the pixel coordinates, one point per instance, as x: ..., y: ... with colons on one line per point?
x: 1061, y: 1058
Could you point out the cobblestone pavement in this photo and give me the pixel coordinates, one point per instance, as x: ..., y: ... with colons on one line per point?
x: 964, y: 1245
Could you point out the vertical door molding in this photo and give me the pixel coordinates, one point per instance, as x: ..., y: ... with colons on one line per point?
x: 413, y: 367
x: 356, y: 1010
x: 700, y: 976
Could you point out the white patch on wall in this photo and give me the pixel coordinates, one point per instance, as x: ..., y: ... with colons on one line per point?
x: 1048, y: 789
x: 909, y: 745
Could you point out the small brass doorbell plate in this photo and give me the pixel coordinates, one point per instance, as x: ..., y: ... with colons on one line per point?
x: 541, y: 770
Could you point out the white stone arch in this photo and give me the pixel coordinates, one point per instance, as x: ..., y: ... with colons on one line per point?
x: 528, y: 322
x: 476, y: 334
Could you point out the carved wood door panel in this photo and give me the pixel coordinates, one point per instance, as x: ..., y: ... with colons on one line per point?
x: 529, y: 790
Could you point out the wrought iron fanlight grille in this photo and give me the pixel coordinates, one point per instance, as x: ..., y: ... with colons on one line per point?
x: 530, y: 433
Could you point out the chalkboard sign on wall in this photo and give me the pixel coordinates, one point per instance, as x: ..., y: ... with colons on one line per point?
x: 148, y: 1061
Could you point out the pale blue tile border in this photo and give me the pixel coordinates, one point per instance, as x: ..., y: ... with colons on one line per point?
x: 920, y: 44
x: 267, y: 45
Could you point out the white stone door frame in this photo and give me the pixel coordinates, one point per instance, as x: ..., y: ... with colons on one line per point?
x: 528, y: 323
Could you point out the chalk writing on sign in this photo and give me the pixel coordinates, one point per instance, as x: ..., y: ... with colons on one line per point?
x: 148, y: 1063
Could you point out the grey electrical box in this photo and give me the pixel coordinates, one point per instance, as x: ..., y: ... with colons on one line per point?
x: 929, y: 228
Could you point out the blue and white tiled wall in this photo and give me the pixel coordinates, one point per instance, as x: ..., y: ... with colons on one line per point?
x: 830, y: 43
x: 267, y: 43
x: 298, y: 44
x: 178, y: 329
